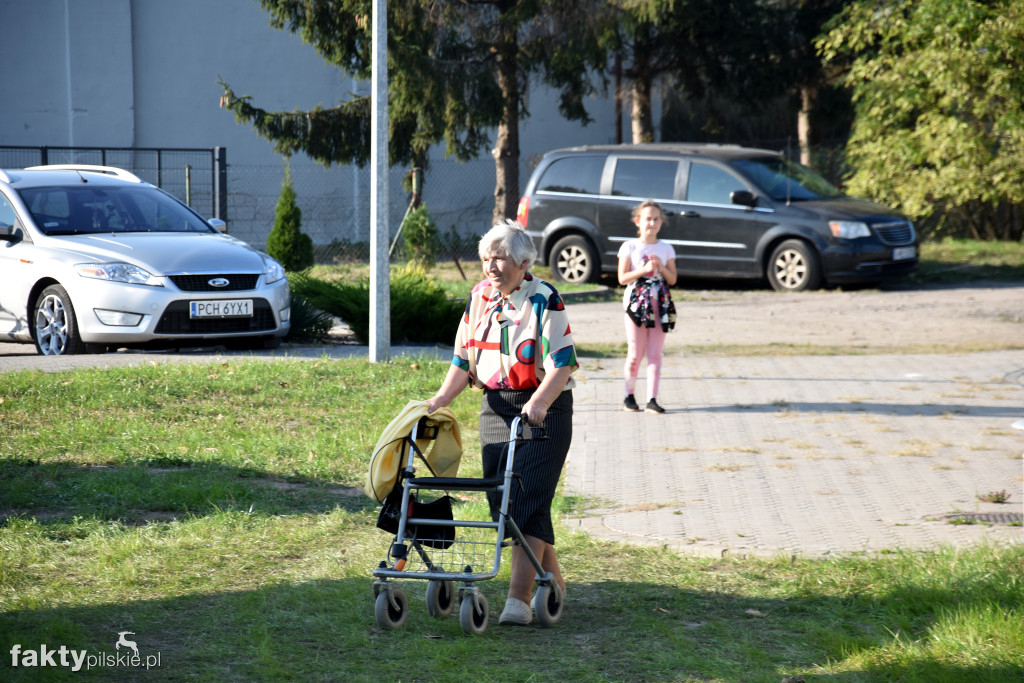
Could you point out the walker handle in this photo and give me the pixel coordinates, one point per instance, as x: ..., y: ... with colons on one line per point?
x: 531, y: 432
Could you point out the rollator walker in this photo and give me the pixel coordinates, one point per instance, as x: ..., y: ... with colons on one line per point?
x: 426, y: 545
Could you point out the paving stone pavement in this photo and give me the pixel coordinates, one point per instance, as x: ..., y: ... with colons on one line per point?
x: 803, y: 455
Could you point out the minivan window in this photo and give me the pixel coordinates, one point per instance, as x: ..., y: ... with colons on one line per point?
x: 575, y: 175
x: 782, y: 179
x: 646, y: 178
x: 711, y: 185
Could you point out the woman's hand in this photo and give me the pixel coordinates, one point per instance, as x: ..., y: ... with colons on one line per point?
x: 534, y: 412
x: 454, y: 382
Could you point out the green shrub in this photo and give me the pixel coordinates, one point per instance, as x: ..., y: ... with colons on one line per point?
x: 309, y: 323
x: 421, y: 311
x: 286, y: 241
x: 420, y: 236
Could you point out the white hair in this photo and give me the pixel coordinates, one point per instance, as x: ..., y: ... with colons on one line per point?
x: 508, y: 238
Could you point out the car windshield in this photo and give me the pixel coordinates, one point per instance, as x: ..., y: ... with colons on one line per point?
x: 74, y: 210
x: 782, y: 179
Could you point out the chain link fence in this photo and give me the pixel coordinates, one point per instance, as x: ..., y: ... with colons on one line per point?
x: 335, y: 205
x: 335, y: 201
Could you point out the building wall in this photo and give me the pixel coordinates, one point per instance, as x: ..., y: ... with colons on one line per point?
x: 144, y: 73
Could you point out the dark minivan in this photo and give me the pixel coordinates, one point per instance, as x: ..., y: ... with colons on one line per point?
x: 730, y: 212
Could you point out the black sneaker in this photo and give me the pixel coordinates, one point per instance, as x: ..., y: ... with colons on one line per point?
x: 630, y: 404
x: 653, y: 407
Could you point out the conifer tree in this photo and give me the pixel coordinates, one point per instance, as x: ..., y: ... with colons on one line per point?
x: 286, y: 241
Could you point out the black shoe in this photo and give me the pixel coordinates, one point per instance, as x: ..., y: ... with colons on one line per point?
x: 630, y: 404
x: 653, y: 407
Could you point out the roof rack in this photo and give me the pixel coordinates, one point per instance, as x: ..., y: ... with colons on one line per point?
x: 107, y: 170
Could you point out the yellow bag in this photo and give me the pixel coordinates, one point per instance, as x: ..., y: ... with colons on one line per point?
x: 442, y: 454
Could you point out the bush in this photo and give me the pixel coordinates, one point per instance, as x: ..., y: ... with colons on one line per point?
x: 286, y: 241
x: 420, y: 310
x: 420, y: 236
x: 309, y: 323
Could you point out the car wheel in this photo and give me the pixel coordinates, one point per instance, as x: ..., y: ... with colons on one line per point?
x: 56, y: 327
x: 573, y: 259
x: 794, y: 267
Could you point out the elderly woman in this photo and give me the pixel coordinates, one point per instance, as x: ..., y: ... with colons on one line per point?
x: 514, y: 343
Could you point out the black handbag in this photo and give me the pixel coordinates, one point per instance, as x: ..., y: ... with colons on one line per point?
x: 433, y: 536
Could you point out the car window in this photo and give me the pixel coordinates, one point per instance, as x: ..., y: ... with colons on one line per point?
x: 782, y: 179
x: 647, y: 178
x: 6, y: 212
x: 73, y: 210
x: 576, y: 175
x: 711, y: 185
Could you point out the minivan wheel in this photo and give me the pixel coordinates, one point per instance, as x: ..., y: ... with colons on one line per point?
x: 794, y: 267
x: 573, y: 259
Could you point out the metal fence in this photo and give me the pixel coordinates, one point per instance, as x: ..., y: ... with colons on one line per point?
x: 335, y: 205
x: 335, y: 201
x: 195, y: 176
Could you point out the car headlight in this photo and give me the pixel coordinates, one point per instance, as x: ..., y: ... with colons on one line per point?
x: 272, y: 270
x: 849, y: 230
x: 118, y: 272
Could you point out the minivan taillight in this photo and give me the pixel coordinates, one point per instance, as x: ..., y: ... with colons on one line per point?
x: 523, y: 213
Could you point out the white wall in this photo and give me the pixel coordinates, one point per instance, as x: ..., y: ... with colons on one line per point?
x: 144, y: 73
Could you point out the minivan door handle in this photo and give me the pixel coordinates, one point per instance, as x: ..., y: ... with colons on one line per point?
x: 690, y: 214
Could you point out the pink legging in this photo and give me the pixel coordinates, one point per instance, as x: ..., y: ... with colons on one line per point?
x: 641, y: 341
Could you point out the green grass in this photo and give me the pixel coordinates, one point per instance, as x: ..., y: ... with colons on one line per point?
x: 214, y: 512
x: 960, y: 261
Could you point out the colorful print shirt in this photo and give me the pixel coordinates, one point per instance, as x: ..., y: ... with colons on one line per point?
x: 512, y: 342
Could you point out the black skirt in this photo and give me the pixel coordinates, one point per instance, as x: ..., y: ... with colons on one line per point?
x: 538, y: 463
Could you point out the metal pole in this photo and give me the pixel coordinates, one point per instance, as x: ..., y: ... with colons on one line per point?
x: 188, y: 184
x: 380, y: 278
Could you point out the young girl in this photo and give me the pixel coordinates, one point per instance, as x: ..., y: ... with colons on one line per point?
x: 648, y: 266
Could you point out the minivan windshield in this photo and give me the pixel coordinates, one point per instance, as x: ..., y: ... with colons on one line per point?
x: 782, y: 179
x: 84, y: 209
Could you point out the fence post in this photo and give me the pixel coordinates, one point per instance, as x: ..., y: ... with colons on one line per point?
x: 220, y: 183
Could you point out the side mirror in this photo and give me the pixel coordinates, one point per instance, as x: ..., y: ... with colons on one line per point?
x: 743, y: 198
x: 218, y: 225
x: 8, y: 233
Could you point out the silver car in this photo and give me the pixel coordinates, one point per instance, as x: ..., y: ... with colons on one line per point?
x: 94, y: 259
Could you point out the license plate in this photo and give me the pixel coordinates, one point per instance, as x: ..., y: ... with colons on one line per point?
x: 221, y: 308
x: 903, y: 253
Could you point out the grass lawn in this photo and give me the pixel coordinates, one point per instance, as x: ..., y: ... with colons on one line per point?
x: 214, y: 513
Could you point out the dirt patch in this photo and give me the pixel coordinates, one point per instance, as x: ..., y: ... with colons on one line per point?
x: 949, y: 318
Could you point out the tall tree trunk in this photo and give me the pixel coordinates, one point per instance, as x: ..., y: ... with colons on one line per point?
x: 617, y: 70
x: 643, y: 120
x: 506, y: 151
x: 808, y: 94
x: 643, y: 126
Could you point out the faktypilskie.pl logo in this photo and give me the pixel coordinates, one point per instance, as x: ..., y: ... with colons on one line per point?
x: 76, y: 660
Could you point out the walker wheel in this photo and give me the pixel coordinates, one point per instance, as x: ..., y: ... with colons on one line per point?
x: 473, y: 614
x: 391, y: 608
x: 549, y: 603
x: 440, y: 598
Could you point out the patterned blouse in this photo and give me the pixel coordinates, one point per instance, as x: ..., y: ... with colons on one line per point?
x: 500, y: 338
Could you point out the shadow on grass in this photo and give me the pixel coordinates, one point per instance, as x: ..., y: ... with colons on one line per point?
x: 611, y: 631
x: 159, y: 491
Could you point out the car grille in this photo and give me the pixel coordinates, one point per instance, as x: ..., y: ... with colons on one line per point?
x: 176, y: 320
x: 901, y: 232
x: 237, y: 282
